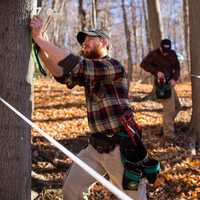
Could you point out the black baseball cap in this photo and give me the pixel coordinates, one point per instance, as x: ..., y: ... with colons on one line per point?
x: 94, y: 33
x: 166, y: 45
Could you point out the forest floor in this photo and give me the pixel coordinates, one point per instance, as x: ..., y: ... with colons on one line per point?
x: 62, y: 114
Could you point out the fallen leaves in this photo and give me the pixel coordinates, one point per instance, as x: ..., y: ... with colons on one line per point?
x: 62, y: 114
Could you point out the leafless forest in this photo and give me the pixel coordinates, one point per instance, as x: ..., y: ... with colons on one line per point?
x: 30, y: 167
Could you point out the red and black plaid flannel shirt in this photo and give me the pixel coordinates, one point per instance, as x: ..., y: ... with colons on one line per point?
x: 105, y: 86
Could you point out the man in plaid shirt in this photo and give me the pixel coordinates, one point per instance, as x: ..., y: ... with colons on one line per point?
x: 106, y: 91
x: 105, y: 84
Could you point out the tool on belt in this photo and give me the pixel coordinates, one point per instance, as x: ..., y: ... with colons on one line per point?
x: 35, y: 55
x: 163, y: 89
x: 134, y: 156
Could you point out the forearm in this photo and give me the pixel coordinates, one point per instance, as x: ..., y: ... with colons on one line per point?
x: 56, y: 54
x: 176, y: 71
x: 53, y: 67
x: 148, y: 68
x: 148, y: 64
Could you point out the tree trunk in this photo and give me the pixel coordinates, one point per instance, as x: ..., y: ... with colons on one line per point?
x: 15, y: 134
x: 94, y: 13
x: 134, y: 26
x: 82, y: 15
x: 153, y: 7
x: 194, y: 21
x: 60, y: 28
x: 186, y: 31
x: 105, y: 20
x: 141, y: 40
x: 128, y: 44
x: 169, y: 20
x: 146, y: 25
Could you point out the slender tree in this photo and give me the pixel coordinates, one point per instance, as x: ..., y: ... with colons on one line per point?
x: 194, y: 21
x: 141, y: 35
x: 146, y: 25
x: 186, y: 31
x: 104, y: 17
x: 82, y: 15
x: 128, y: 44
x: 134, y: 26
x: 94, y: 13
x: 169, y: 20
x: 15, y: 134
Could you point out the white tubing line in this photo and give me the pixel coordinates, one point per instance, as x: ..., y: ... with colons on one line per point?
x: 121, y: 195
x: 195, y: 76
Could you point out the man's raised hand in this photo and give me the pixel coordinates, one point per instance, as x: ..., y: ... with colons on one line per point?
x: 36, y: 25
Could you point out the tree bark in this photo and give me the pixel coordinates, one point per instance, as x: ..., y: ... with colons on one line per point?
x: 94, y: 14
x: 154, y: 22
x: 146, y: 25
x: 194, y: 21
x: 186, y: 31
x: 60, y: 29
x: 128, y: 44
x: 141, y: 40
x: 15, y: 134
x: 153, y: 8
x: 82, y: 15
x: 134, y: 26
x: 105, y: 19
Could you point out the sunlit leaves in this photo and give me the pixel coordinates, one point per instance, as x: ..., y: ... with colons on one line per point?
x: 62, y: 114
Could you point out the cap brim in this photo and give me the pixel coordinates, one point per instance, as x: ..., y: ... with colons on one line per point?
x: 82, y: 34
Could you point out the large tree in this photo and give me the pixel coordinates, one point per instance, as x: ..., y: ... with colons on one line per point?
x: 153, y: 7
x: 154, y: 19
x: 194, y: 22
x: 15, y: 135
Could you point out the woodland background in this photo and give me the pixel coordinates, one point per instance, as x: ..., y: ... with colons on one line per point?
x: 31, y: 168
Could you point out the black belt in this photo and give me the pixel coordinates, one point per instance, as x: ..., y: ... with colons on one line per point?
x: 104, y: 143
